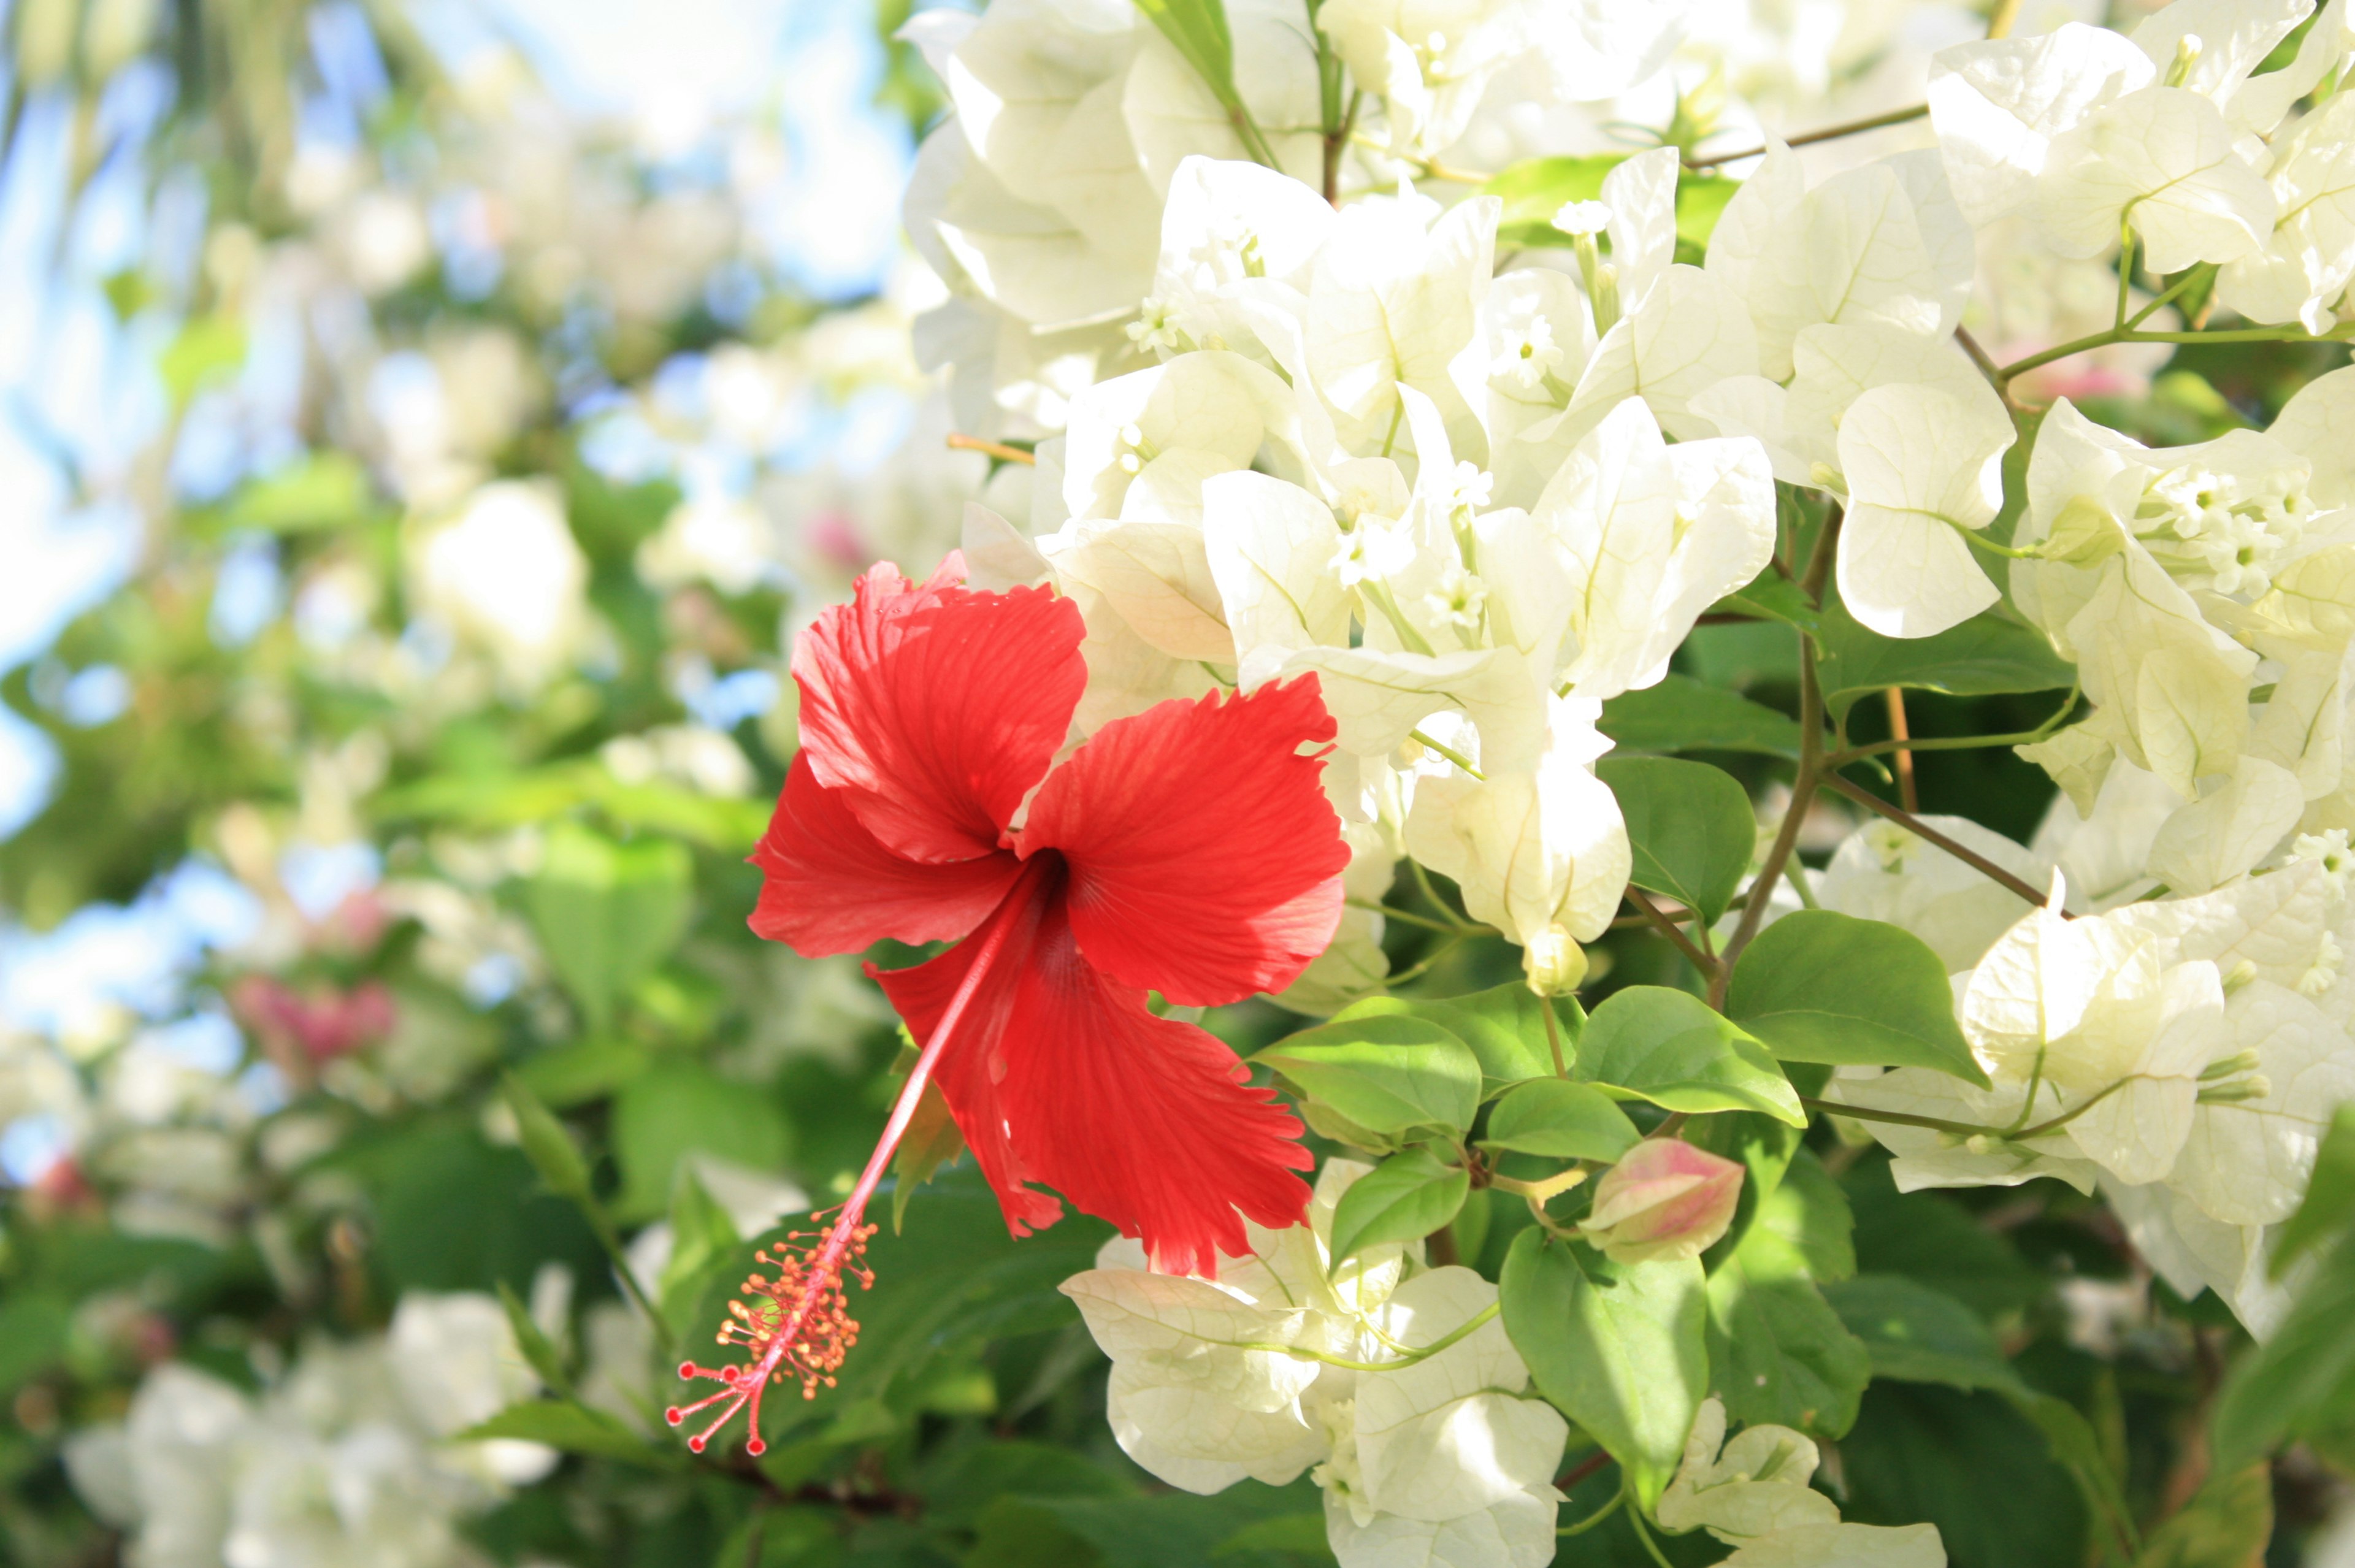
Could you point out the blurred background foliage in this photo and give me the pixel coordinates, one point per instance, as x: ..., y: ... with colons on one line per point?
x: 418, y: 458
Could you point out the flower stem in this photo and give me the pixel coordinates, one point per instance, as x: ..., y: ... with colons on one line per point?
x: 1803, y: 786
x: 1843, y: 757
x: 1805, y: 138
x: 1915, y: 826
x: 744, y: 1385
x: 1590, y: 1520
x: 997, y: 449
x: 1672, y: 930
x: 1455, y: 1336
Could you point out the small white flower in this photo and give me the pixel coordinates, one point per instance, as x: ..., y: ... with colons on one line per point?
x: 1580, y: 218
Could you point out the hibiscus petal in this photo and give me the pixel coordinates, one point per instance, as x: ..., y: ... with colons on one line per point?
x: 934, y: 708
x: 1205, y: 859
x: 828, y: 887
x: 1064, y: 1078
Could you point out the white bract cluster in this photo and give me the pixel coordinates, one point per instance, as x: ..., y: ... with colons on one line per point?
x: 346, y: 1460
x: 1287, y: 1364
x: 1307, y: 398
x: 1752, y: 1494
x: 2183, y: 1055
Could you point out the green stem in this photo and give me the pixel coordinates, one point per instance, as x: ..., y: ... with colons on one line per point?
x: 1841, y: 759
x: 1978, y: 540
x: 1805, y: 138
x: 1553, y: 1036
x: 1804, y: 783
x: 2116, y: 334
x: 1446, y: 927
x: 2174, y: 292
x: 1636, y: 1517
x: 2125, y: 269
x: 2014, y: 1134
x: 610, y: 1240
x: 1429, y: 959
x: 1921, y: 831
x: 1455, y: 1336
x: 1450, y: 752
x: 1674, y: 933
x: 1590, y: 1520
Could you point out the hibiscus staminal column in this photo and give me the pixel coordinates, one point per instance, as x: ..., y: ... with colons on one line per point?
x: 800, y: 1329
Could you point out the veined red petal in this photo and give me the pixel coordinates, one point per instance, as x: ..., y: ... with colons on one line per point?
x: 935, y: 709
x: 828, y: 887
x: 1205, y: 859
x: 1066, y: 1079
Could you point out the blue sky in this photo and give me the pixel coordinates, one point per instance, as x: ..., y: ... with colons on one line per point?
x: 77, y: 389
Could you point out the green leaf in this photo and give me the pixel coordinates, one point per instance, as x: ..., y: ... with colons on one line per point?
x: 1764, y: 1147
x: 319, y: 491
x: 2301, y: 1378
x: 680, y: 1108
x: 1688, y: 824
x: 1778, y: 1352
x: 1817, y: 985
x: 1775, y: 598
x: 1969, y: 1464
x: 1300, y: 1534
x: 546, y: 1145
x: 1564, y: 1121
x: 1929, y: 1237
x: 1682, y: 714
x: 2226, y: 1524
x: 1985, y: 653
x: 1809, y: 1214
x: 1700, y: 202
x: 1918, y: 1335
x: 583, y: 1070
x: 451, y: 1211
x: 207, y: 349
x: 1389, y: 1075
x: 537, y: 1350
x: 1502, y: 1025
x: 1621, y: 1350
x: 1198, y: 29
x: 1172, y: 1530
x: 1648, y: 1043
x: 33, y: 1330
x: 930, y: 1142
x: 576, y: 1429
x: 607, y: 913
x: 2071, y: 1442
x: 1404, y: 1198
x: 2328, y: 1207
x: 702, y: 1235
x: 1534, y: 189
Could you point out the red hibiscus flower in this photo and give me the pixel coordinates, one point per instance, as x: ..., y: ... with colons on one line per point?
x: 1187, y: 851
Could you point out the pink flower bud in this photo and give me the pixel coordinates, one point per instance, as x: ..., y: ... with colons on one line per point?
x: 1665, y: 1199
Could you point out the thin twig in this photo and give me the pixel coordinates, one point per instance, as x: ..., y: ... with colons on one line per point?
x: 1921, y: 831
x: 1807, y: 138
x: 1431, y: 167
x: 1899, y: 733
x: 999, y: 450
x: 2043, y: 732
x: 1811, y: 764
x: 1671, y: 930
